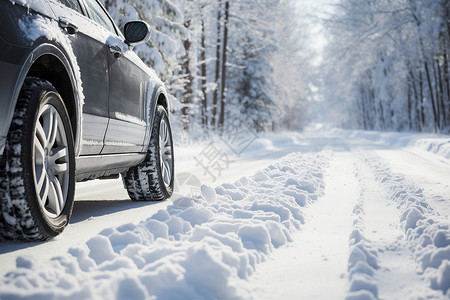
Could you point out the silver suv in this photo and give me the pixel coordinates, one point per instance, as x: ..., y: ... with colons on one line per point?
x: 76, y: 104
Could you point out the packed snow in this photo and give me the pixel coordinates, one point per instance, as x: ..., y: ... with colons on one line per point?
x: 325, y: 214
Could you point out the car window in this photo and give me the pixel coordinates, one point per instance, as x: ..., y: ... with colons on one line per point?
x: 97, y: 14
x: 73, y: 4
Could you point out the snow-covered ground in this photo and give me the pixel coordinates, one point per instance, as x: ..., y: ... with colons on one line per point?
x: 325, y: 214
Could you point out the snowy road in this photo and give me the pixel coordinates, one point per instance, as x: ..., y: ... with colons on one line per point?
x: 316, y: 263
x: 320, y: 215
x: 103, y: 204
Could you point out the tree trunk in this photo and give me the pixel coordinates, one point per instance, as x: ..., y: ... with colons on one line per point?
x: 447, y: 84
x: 410, y: 110
x: 224, y: 67
x: 363, y: 107
x: 216, y: 90
x: 430, y: 88
x: 424, y: 61
x: 441, y: 97
x: 422, y: 103
x: 415, y: 104
x: 203, y: 75
x: 186, y: 100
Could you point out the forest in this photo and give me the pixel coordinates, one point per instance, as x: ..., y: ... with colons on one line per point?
x: 230, y: 64
x: 388, y: 64
x: 226, y: 63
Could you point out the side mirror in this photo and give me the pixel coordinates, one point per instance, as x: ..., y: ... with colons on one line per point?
x: 136, y: 32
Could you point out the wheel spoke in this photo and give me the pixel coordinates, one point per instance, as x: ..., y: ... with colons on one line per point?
x: 52, y: 204
x: 39, y: 157
x: 41, y: 175
x: 166, y: 134
x: 55, y: 196
x: 59, y: 192
x: 59, y: 153
x: 161, y: 143
x: 168, y: 171
x: 40, y: 135
x: 161, y: 130
x: 165, y: 174
x: 53, y: 129
x: 60, y: 168
x: 163, y: 134
x: 161, y: 164
x: 43, y: 192
x: 57, y: 161
x: 39, y: 151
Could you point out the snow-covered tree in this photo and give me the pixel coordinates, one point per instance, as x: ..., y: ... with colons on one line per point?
x: 250, y: 86
x: 394, y: 58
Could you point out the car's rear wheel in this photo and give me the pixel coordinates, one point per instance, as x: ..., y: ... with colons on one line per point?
x: 153, y: 179
x: 38, y: 166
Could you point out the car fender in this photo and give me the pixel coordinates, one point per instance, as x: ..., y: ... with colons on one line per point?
x: 35, y: 54
x: 157, y: 92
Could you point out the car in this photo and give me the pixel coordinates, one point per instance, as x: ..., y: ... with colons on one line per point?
x: 76, y: 104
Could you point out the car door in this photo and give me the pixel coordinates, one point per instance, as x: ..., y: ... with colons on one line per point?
x: 127, y: 90
x: 88, y: 42
x: 127, y: 96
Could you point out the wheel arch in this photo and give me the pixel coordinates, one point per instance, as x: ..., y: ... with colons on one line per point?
x: 159, y: 97
x: 163, y: 101
x: 50, y: 63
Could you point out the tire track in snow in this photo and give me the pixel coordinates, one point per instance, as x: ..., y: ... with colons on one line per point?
x: 380, y: 264
x: 362, y: 261
x: 314, y: 266
x: 423, y: 238
x: 429, y: 171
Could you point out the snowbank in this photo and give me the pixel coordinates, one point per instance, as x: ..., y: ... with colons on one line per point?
x: 437, y: 144
x: 198, y: 248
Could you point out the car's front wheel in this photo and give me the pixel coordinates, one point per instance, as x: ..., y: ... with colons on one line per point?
x: 37, y: 169
x: 153, y: 179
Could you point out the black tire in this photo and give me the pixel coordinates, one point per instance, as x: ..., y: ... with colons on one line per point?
x: 153, y: 179
x: 37, y: 169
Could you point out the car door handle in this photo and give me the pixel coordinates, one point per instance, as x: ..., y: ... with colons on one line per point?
x: 70, y: 28
x: 115, y: 50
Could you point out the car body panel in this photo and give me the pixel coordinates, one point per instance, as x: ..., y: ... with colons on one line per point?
x: 8, y: 75
x: 93, y: 132
x: 127, y: 100
x: 14, y: 57
x: 90, y: 50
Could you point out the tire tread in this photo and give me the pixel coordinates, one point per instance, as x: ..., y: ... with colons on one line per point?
x: 143, y: 182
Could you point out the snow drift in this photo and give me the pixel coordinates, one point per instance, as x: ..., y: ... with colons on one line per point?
x: 199, y: 248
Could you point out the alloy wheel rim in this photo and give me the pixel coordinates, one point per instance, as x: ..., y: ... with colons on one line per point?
x: 165, y: 153
x: 51, y: 161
